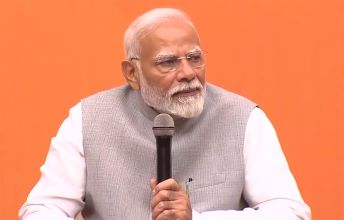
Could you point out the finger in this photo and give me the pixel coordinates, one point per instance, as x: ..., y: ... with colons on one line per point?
x: 164, y: 195
x: 152, y: 183
x: 168, y: 195
x: 161, y: 207
x: 174, y: 214
x: 170, y: 209
x: 169, y: 184
x: 166, y: 214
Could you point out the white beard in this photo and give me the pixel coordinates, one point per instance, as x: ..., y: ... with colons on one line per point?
x: 164, y: 102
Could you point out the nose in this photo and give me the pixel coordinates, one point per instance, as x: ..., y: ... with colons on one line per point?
x: 186, y: 72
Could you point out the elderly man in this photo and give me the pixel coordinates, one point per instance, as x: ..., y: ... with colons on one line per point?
x: 102, y: 161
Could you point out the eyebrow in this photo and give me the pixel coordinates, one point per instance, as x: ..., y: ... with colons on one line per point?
x: 166, y: 54
x: 195, y: 50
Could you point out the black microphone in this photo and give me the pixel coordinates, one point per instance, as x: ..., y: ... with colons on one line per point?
x: 163, y: 129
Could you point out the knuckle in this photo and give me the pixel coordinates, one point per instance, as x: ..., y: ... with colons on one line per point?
x: 173, y: 181
x: 162, y: 205
x: 165, y: 194
x: 167, y: 214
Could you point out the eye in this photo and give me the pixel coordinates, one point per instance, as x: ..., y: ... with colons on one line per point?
x: 195, y: 58
x: 170, y: 62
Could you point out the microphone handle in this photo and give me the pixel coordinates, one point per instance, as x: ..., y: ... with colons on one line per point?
x: 164, y: 168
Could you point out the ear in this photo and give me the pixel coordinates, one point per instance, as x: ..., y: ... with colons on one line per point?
x: 130, y: 73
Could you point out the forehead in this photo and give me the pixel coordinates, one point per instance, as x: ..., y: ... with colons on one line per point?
x: 170, y: 37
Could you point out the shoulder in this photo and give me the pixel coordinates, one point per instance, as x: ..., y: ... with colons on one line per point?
x: 219, y: 97
x: 106, y: 102
x: 113, y: 92
x: 111, y: 95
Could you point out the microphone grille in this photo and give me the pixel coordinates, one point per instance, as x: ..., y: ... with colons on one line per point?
x: 163, y: 121
x: 163, y: 124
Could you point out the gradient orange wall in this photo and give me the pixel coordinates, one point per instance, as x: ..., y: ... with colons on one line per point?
x: 288, y: 56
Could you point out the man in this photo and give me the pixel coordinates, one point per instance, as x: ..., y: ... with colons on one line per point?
x: 227, y: 161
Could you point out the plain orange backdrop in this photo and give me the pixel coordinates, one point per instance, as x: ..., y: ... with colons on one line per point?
x: 287, y: 55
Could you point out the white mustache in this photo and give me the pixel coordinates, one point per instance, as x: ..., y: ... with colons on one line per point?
x: 195, y: 84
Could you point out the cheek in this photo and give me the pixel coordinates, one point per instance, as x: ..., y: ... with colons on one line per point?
x: 201, y: 77
x: 167, y: 82
x: 157, y: 80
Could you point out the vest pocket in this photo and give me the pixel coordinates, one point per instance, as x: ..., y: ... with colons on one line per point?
x: 199, y: 183
x: 214, y: 193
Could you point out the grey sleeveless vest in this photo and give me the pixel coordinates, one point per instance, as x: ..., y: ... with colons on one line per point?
x: 120, y: 153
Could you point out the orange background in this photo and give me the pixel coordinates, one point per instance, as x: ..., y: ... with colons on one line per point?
x: 285, y: 55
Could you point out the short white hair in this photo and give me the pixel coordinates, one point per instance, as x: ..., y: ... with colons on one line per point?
x: 146, y: 23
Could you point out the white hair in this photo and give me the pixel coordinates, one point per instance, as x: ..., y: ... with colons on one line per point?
x: 146, y: 23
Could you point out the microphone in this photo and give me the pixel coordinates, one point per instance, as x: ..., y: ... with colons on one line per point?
x: 163, y: 129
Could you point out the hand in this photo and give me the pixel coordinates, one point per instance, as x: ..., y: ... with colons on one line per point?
x: 169, y: 201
